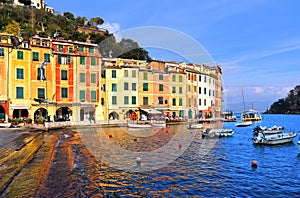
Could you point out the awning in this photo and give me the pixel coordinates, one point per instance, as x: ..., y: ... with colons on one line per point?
x: 151, y: 111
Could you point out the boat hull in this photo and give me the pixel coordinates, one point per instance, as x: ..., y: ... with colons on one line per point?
x: 137, y: 125
x: 195, y: 126
x: 215, y: 133
x: 243, y: 124
x: 275, y: 139
x: 5, y: 125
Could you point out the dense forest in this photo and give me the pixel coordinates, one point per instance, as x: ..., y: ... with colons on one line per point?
x: 288, y: 105
x: 26, y: 21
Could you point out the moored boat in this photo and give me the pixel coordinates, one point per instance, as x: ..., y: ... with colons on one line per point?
x: 274, y: 139
x: 195, y: 126
x: 158, y: 123
x: 139, y: 125
x: 213, y: 133
x: 243, y: 124
x: 5, y: 125
x: 270, y: 130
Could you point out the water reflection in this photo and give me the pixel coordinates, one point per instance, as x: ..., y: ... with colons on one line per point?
x: 174, y: 161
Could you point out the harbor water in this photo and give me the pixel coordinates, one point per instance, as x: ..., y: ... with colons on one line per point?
x: 197, y: 167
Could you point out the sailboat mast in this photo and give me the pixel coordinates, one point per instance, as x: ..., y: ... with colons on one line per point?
x: 243, y: 99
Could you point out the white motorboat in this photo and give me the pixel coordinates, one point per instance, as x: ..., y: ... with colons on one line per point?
x: 139, y: 125
x: 195, y: 126
x: 5, y: 124
x: 270, y: 130
x: 243, y: 124
x: 158, y: 123
x: 223, y: 132
x: 274, y: 139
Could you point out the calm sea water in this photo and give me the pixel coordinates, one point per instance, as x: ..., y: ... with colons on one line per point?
x: 209, y: 168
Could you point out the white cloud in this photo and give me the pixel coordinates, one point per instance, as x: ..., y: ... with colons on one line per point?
x: 259, y: 90
x: 111, y: 27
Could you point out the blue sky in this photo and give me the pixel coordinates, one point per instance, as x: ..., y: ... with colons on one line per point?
x: 256, y: 43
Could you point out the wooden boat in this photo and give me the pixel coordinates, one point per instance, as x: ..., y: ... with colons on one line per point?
x: 195, y: 126
x: 139, y: 125
x: 243, y: 124
x: 274, y: 139
x: 213, y: 133
x: 5, y: 124
x: 270, y: 130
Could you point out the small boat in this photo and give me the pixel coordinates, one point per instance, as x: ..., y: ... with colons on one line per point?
x: 158, y: 123
x: 243, y: 124
x: 274, y: 139
x: 214, y: 133
x: 271, y: 130
x: 139, y: 125
x: 299, y: 145
x: 195, y: 126
x: 251, y: 115
x: 229, y: 117
x: 5, y: 124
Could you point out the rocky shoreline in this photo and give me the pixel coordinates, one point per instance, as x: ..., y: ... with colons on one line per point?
x: 46, y: 164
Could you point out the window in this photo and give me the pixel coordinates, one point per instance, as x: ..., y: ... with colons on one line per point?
x: 180, y: 78
x: 204, y: 78
x: 59, y: 59
x: 180, y: 90
x: 114, y: 87
x: 199, y: 90
x: 195, y: 102
x: 161, y: 77
x: 173, y: 89
x: 93, y: 78
x: 204, y: 102
x: 47, y: 57
x: 199, y: 78
x: 93, y: 61
x: 126, y: 100
x: 35, y: 56
x: 195, y: 89
x: 209, y: 92
x: 145, y: 76
x: 133, y: 86
x: 114, y: 100
x: 82, y: 95
x: 133, y: 99
x: 180, y: 101
x: 200, y: 102
x: 160, y: 100
x: 41, y: 93
x: 1, y: 51
x: 125, y: 73
x: 20, y: 92
x: 91, y: 50
x: 190, y: 102
x: 80, y: 48
x: 60, y: 48
x: 82, y: 77
x: 64, y: 60
x: 145, y: 100
x: 204, y: 90
x: 166, y: 101
x: 82, y: 60
x: 189, y: 76
x: 113, y: 73
x: 20, y: 55
x: 93, y: 96
x: 173, y: 78
x: 174, y: 101
x: 134, y: 74
x: 189, y: 88
x: 126, y: 86
x: 161, y: 87
x: 213, y: 93
x: 64, y: 74
x: 41, y: 74
x: 102, y: 101
x: 64, y: 92
x: 20, y: 73
x: 145, y: 87
x: 68, y: 60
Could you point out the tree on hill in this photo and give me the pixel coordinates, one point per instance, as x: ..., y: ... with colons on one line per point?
x: 288, y: 105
